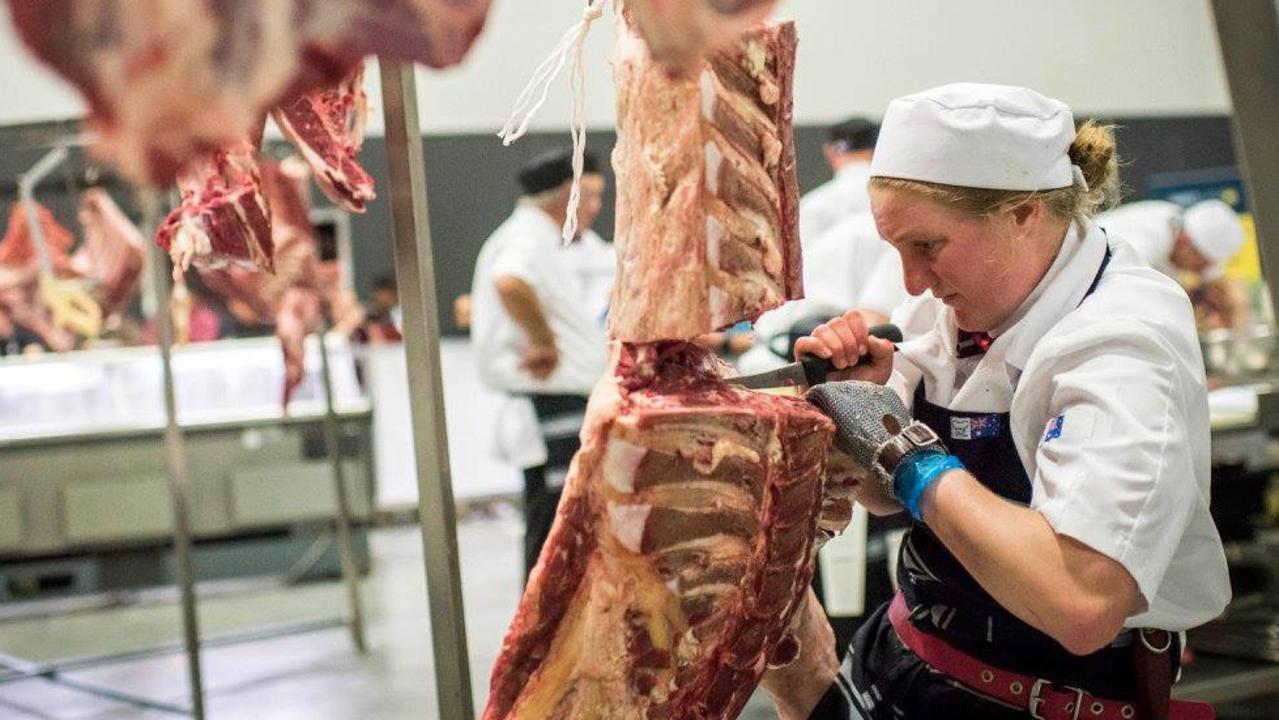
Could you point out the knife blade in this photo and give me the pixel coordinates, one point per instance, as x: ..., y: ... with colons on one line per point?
x: 809, y: 370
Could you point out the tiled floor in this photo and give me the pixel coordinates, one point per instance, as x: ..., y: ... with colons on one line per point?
x: 312, y: 676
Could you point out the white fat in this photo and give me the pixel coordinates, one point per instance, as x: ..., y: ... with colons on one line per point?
x: 724, y: 448
x: 718, y: 300
x: 620, y: 462
x: 708, y: 94
x: 756, y: 57
x: 673, y: 586
x: 190, y: 242
x: 714, y: 158
x: 714, y: 240
x: 628, y: 523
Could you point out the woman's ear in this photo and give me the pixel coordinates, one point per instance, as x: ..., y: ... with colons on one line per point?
x: 1025, y: 216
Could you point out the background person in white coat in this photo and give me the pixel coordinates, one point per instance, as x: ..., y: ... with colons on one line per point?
x: 848, y: 149
x: 534, y: 334
x: 1192, y: 244
x: 1044, y: 423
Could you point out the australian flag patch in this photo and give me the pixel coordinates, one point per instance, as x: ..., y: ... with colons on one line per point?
x: 1053, y: 429
x: 975, y: 427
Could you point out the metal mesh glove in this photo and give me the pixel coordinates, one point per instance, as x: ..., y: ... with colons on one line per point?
x: 869, y: 421
x: 866, y: 416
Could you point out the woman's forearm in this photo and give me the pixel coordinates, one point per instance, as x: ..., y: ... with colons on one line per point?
x: 1063, y: 588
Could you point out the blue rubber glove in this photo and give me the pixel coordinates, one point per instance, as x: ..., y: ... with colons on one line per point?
x: 915, y: 473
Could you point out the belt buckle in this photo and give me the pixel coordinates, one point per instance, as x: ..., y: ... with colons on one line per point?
x: 1036, y: 701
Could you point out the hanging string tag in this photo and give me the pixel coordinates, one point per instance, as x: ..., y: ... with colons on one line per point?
x: 534, y: 96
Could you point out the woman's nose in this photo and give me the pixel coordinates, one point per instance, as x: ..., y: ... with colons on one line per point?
x: 917, y: 275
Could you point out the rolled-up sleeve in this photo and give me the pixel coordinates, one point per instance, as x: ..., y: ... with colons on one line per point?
x: 1114, y: 465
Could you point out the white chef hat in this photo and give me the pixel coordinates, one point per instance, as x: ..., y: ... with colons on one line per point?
x: 996, y: 137
x: 1214, y: 229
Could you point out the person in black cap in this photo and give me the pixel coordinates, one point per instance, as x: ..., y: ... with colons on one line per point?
x: 848, y: 149
x: 534, y: 333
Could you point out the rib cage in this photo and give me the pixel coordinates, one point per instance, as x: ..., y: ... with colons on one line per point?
x: 681, y: 549
x: 705, y: 170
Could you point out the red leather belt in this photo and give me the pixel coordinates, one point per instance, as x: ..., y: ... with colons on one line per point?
x: 1040, y: 698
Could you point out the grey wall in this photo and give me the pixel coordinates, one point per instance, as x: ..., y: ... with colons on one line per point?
x: 470, y: 179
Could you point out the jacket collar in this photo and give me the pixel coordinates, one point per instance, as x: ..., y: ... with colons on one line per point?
x: 1060, y: 291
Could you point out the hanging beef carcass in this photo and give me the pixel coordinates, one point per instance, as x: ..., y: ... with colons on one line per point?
x: 685, y: 540
x: 682, y: 547
x: 326, y: 125
x: 20, y: 268
x: 112, y: 254
x: 706, y: 189
x: 296, y: 295
x: 681, y: 32
x: 167, y: 79
x: 224, y: 217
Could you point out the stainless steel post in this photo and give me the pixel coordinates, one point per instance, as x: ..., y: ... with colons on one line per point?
x: 176, y: 449
x: 346, y: 555
x: 415, y: 272
x: 1248, y: 32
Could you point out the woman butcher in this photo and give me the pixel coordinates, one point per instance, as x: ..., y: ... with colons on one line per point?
x: 1044, y: 423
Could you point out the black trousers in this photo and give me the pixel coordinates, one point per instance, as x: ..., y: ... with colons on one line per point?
x: 560, y: 419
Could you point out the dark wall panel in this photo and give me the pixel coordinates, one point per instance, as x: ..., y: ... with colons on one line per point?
x: 471, y: 185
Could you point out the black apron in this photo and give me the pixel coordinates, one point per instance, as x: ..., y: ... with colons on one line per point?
x: 881, y: 678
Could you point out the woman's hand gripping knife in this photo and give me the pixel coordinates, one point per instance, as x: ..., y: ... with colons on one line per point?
x: 902, y: 456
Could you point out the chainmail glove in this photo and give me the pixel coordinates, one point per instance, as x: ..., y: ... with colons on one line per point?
x: 873, y: 425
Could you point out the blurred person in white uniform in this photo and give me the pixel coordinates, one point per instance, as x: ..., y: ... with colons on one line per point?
x: 848, y: 266
x: 534, y: 335
x: 1191, y: 244
x: 594, y: 260
x: 1044, y: 424
x: 848, y: 149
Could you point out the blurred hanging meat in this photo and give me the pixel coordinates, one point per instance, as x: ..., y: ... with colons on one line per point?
x: 681, y: 32
x: 113, y: 253
x: 167, y: 79
x: 295, y: 297
x: 224, y: 217
x: 20, y: 270
x: 326, y: 125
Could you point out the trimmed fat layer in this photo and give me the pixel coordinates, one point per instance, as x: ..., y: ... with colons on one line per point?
x: 620, y: 462
x: 628, y: 523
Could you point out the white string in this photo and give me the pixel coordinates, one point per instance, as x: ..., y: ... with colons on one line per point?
x: 526, y: 106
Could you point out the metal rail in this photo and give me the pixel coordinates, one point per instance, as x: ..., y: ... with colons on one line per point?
x: 346, y: 556
x: 415, y: 273
x: 1248, y: 31
x: 175, y: 448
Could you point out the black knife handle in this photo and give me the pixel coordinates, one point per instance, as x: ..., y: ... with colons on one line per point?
x: 816, y: 369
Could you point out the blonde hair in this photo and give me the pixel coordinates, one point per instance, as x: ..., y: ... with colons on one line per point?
x: 1093, y: 150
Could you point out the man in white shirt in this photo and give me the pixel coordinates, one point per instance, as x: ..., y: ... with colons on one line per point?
x: 1191, y: 243
x: 532, y: 328
x: 848, y: 149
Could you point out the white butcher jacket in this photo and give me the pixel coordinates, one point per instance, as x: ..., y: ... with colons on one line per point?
x: 1109, y: 415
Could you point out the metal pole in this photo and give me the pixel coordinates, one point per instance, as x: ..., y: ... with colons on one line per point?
x: 1248, y: 32
x: 177, y: 461
x: 415, y: 273
x: 346, y: 556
